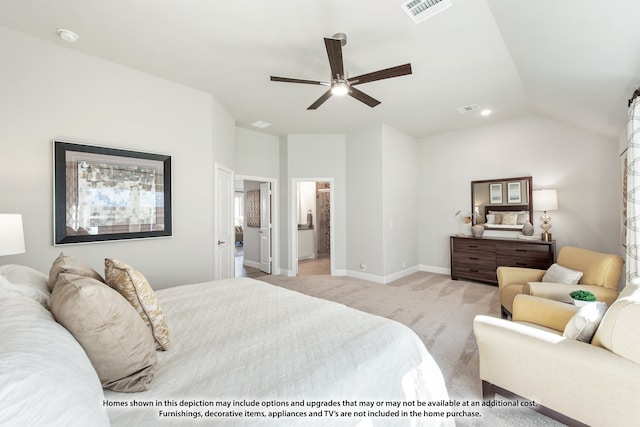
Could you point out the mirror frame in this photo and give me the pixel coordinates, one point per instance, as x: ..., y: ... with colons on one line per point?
x: 502, y: 205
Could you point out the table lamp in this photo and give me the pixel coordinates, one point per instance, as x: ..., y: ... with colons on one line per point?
x: 11, y: 234
x: 545, y: 200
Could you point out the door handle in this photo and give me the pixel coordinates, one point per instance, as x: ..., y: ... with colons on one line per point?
x: 220, y: 242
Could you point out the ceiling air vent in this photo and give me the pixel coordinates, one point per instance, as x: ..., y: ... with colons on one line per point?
x: 468, y: 108
x: 419, y: 10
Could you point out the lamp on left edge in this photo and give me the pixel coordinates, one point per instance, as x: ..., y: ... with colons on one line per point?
x: 11, y: 234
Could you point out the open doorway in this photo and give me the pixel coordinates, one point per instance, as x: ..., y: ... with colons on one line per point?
x: 254, y: 218
x: 314, y: 227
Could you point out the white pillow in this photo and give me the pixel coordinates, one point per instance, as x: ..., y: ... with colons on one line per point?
x: 523, y: 217
x: 585, y: 322
x: 559, y: 274
x: 46, y: 377
x: 491, y: 219
x: 19, y: 280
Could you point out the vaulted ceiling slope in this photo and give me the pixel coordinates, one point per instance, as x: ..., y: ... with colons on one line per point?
x: 577, y: 61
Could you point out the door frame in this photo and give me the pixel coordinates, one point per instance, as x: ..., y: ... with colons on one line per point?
x: 275, y: 218
x: 216, y: 220
x: 293, y: 261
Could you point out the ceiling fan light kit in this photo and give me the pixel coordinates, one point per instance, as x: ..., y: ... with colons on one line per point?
x: 340, y: 85
x: 340, y: 88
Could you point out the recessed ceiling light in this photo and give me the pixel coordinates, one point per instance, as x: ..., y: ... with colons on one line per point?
x: 485, y: 112
x: 67, y: 35
x: 260, y: 124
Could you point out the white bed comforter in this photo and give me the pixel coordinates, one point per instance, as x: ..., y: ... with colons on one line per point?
x: 242, y: 339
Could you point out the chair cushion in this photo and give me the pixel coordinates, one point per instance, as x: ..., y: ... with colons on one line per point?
x: 585, y: 322
x: 559, y: 274
x: 598, y: 268
x: 619, y: 331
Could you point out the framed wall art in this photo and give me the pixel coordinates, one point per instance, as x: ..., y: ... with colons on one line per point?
x: 495, y: 191
x: 513, y: 192
x: 103, y: 194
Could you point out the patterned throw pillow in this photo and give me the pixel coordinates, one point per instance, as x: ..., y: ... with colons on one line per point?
x: 136, y: 289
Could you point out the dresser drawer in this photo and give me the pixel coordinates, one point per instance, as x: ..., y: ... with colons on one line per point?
x: 477, y: 272
x: 473, y: 245
x: 516, y: 261
x: 523, y: 250
x: 471, y: 257
x: 524, y: 255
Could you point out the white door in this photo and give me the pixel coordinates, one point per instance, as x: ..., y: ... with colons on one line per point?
x: 224, y: 231
x: 265, y: 227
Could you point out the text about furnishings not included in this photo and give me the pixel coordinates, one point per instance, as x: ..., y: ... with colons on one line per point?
x: 283, y: 409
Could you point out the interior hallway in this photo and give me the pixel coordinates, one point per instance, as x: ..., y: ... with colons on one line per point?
x: 307, y: 267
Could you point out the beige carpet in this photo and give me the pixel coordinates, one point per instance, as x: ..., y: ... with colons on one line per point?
x: 440, y: 311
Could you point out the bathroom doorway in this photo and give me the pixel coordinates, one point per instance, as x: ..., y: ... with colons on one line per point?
x: 314, y: 227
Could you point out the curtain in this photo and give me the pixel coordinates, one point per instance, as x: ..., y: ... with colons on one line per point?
x: 632, y: 191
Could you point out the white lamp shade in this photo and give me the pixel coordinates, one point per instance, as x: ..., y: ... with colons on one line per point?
x: 545, y: 200
x: 11, y: 234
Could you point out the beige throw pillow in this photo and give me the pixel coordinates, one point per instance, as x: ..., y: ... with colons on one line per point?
x: 559, y: 274
x: 108, y: 328
x: 583, y: 325
x: 136, y: 289
x: 509, y: 218
x: 67, y: 264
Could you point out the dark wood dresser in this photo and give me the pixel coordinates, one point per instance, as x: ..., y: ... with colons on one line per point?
x: 477, y: 258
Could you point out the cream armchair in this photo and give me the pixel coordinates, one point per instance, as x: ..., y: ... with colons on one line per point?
x: 601, y: 275
x: 595, y: 383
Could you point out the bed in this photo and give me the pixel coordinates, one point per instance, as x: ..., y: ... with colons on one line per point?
x: 505, y: 217
x: 240, y: 342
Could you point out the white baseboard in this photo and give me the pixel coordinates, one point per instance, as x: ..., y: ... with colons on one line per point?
x: 365, y: 276
x: 375, y: 277
x: 382, y: 279
x: 249, y: 263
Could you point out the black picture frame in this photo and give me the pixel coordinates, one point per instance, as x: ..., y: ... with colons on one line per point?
x: 103, y: 194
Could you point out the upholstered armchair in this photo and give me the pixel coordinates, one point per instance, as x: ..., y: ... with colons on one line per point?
x: 600, y: 275
x: 596, y: 382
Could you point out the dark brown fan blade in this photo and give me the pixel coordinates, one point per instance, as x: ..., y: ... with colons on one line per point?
x: 363, y: 97
x: 289, y: 80
x: 400, y: 70
x: 334, y: 52
x: 320, y: 100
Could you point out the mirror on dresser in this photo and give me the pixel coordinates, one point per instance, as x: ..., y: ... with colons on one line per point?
x: 502, y: 204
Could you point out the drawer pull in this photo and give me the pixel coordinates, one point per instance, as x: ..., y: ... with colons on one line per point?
x: 473, y: 270
x: 521, y: 264
x: 521, y: 250
x: 473, y: 246
x: 473, y: 258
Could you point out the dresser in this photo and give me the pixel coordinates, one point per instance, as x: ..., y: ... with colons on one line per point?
x: 477, y: 258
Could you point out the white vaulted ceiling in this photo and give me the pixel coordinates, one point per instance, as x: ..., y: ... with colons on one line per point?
x: 577, y: 61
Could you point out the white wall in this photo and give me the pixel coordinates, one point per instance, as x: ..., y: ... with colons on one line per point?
x: 364, y: 204
x: 257, y: 154
x: 582, y: 166
x: 400, y: 207
x: 318, y: 156
x: 50, y: 92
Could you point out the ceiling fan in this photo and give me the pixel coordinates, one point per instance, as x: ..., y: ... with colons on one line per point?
x: 339, y: 83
